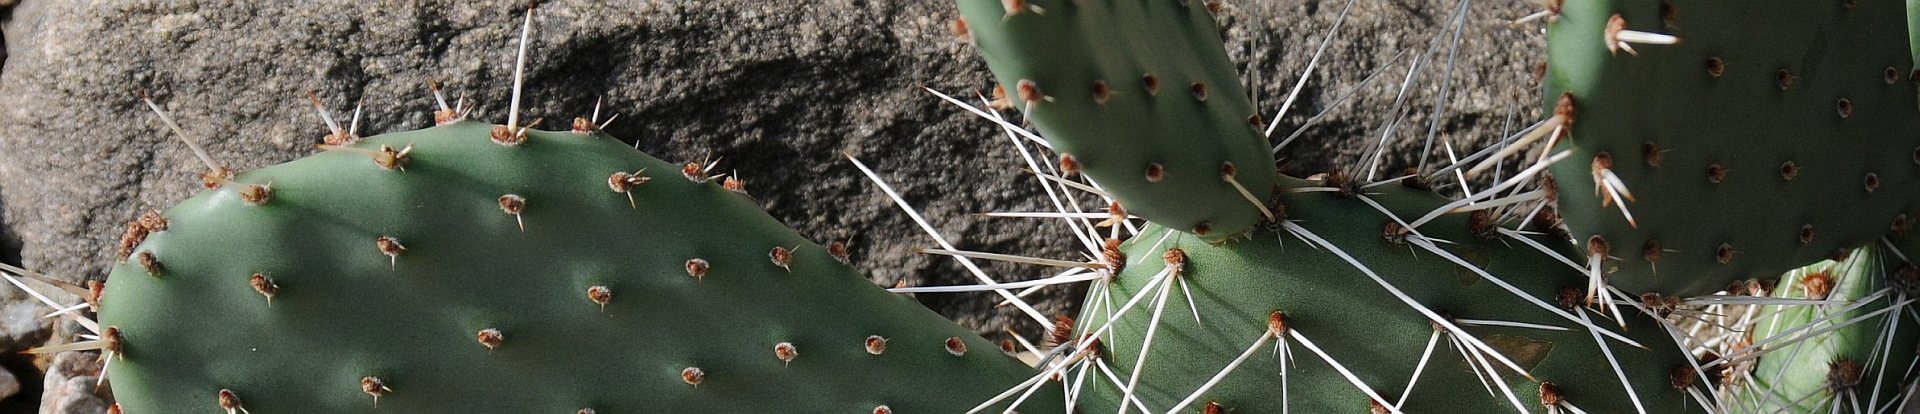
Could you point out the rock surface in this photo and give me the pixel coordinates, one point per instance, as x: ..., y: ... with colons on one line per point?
x: 776, y: 90
x: 71, y: 385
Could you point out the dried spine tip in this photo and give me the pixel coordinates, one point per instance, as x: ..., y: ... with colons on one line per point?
x: 786, y: 352
x: 1013, y: 7
x: 136, y: 233
x: 1394, y: 233
x: 1842, y: 375
x: 623, y: 182
x: 1110, y: 252
x: 255, y: 194
x: 391, y: 247
x: 600, y: 295
x: 1116, y: 215
x: 1060, y: 333
x: 392, y: 159
x: 111, y: 339
x: 1028, y: 91
x: 697, y: 268
x: 694, y: 172
x: 95, y: 291
x: 1817, y: 285
x: 490, y: 338
x: 1070, y: 166
x: 213, y: 178
x: 1277, y: 323
x: 1669, y: 15
x: 229, y: 401
x: 1175, y: 258
x: 1550, y: 396
x: 514, y: 204
x: 838, y: 249
x: 265, y: 286
x: 1597, y: 247
x: 508, y: 136
x: 956, y: 346
x: 781, y: 257
x: 1568, y: 298
x: 150, y: 263
x: 693, y: 376
x: 1155, y: 172
x: 1481, y: 223
x: 582, y: 125
x: 152, y: 221
x: 876, y: 345
x: 1000, y: 100
x: 734, y: 184
x: 375, y: 387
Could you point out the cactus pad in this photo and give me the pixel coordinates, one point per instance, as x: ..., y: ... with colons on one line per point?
x: 1139, y: 96
x: 1369, y: 331
x: 1806, y: 100
x: 1835, y: 354
x: 554, y: 272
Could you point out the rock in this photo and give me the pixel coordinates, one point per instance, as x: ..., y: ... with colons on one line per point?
x: 776, y: 90
x: 70, y: 385
x: 9, y: 384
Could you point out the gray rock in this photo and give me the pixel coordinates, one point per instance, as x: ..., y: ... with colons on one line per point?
x: 779, y: 90
x: 71, y: 385
x: 9, y: 384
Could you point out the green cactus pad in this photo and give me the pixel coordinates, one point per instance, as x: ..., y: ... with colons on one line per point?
x: 1859, y: 360
x: 1139, y: 96
x: 1805, y: 100
x: 1364, y: 327
x: 678, y: 302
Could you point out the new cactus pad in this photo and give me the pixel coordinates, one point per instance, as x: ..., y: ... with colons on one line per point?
x: 1700, y: 142
x: 1855, y: 349
x: 532, y: 272
x: 1139, y: 96
x: 1309, y: 276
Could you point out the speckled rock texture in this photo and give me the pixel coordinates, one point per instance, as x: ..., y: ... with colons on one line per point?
x: 776, y: 91
x: 72, y: 385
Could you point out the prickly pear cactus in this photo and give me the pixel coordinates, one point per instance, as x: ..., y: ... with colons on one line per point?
x: 1139, y: 96
x: 1682, y: 153
x: 469, y: 268
x: 1852, y: 351
x: 1337, y: 313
